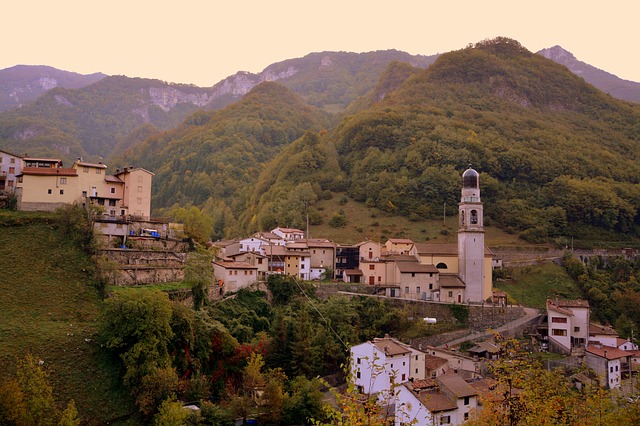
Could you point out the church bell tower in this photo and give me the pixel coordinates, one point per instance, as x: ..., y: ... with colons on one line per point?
x: 471, y: 238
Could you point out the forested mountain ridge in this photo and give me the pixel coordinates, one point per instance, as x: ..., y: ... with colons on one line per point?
x: 554, y: 151
x: 603, y: 80
x: 103, y: 119
x: 215, y: 157
x: 24, y: 83
x: 93, y: 120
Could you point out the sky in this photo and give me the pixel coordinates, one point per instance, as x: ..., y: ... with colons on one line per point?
x: 202, y: 42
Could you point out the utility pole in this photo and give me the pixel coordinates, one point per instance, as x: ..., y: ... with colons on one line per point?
x: 444, y: 214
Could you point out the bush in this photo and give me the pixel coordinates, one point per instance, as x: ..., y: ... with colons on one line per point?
x: 338, y: 220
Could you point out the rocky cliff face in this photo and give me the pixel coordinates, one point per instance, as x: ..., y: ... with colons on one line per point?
x: 25, y: 83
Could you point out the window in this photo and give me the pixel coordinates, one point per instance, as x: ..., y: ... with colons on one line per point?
x: 416, y: 357
x: 474, y: 217
x: 445, y: 420
x: 12, y: 160
x: 358, y: 360
x: 62, y: 192
x: 84, y: 193
x: 416, y: 371
x: 48, y: 191
x: 559, y: 320
x: 466, y: 400
x: 245, y: 272
x: 406, y: 290
x: 430, y: 286
x: 558, y: 332
x: 379, y: 279
x: 616, y: 368
x: 404, y: 363
x: 413, y: 275
x: 113, y: 190
x: 139, y: 188
x: 85, y: 170
x: 112, y: 203
x: 10, y: 183
x: 98, y: 171
x: 259, y: 261
x: 63, y: 181
x: 450, y: 294
x: 12, y: 170
x: 611, y: 369
x: 441, y: 265
x: 418, y: 289
x: 372, y: 267
x: 576, y: 329
x: 404, y: 377
x: 466, y: 416
x: 358, y: 374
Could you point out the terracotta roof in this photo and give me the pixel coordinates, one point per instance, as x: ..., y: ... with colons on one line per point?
x: 483, y: 385
x: 484, y: 347
x: 430, y: 248
x: 224, y: 243
x: 290, y: 230
x: 450, y: 281
x: 48, y: 171
x: 456, y: 385
x: 602, y: 329
x: 131, y: 169
x: 608, y: 352
x: 254, y: 253
x: 432, y: 362
x: 436, y: 401
x: 423, y: 384
x: 394, y: 257
x: 115, y: 179
x: 400, y: 241
x: 390, y: 346
x: 235, y: 265
x: 415, y: 267
x: 297, y: 244
x: 44, y: 160
x: 94, y: 165
x: 320, y: 242
x: 353, y: 272
x: 267, y: 235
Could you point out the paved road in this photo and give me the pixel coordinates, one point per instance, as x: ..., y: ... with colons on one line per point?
x: 530, y: 313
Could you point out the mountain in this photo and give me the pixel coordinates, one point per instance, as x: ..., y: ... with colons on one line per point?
x: 92, y: 121
x: 24, y: 83
x: 554, y: 151
x: 607, y: 82
x: 217, y: 156
x: 104, y: 118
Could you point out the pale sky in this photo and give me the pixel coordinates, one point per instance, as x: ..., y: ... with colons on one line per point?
x: 202, y: 42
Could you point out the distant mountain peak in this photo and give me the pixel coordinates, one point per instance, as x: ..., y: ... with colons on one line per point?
x: 557, y: 54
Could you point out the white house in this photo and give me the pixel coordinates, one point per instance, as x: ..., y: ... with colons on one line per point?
x: 288, y: 234
x: 446, y: 400
x: 609, y: 362
x: 253, y: 244
x: 377, y: 364
x: 568, y: 324
x: 10, y: 167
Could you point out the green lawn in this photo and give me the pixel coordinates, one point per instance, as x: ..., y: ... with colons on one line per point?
x: 371, y: 223
x: 49, y: 307
x: 532, y: 285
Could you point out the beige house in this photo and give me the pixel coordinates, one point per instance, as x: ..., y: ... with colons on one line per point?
x: 232, y: 276
x: 44, y: 185
x: 323, y: 256
x: 398, y: 246
x: 254, y: 259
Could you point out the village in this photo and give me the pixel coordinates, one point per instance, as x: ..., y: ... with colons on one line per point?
x: 429, y: 384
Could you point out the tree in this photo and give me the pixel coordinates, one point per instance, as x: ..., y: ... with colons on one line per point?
x: 171, y: 413
x: 197, y: 224
x: 28, y: 399
x: 199, y: 275
x: 137, y: 327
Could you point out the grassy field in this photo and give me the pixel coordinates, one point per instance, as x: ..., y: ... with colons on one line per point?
x: 532, y: 285
x: 49, y: 307
x: 371, y: 223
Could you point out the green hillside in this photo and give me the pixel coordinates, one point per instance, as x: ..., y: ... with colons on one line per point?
x: 218, y: 156
x: 93, y: 120
x: 49, y: 307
